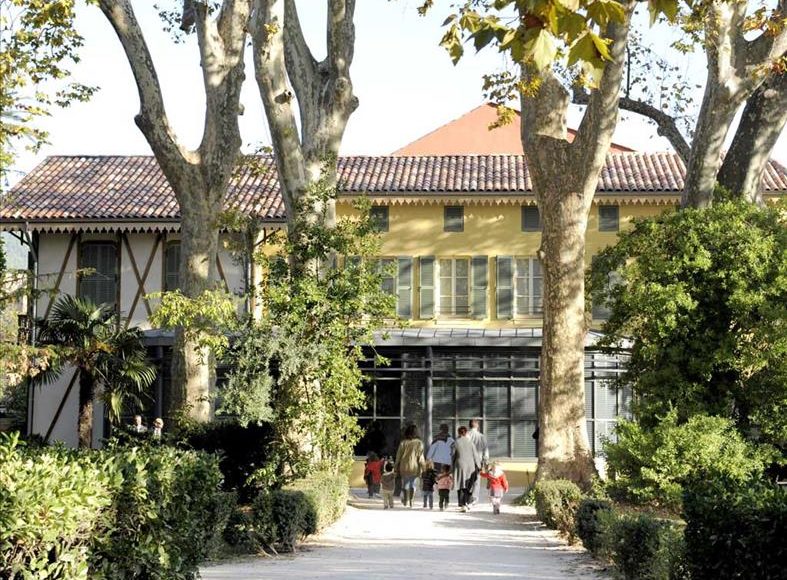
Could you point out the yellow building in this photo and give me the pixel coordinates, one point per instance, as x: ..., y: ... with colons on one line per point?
x: 462, y: 229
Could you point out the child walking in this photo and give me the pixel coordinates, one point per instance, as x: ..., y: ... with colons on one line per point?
x: 445, y: 482
x: 498, y: 485
x: 372, y: 473
x: 388, y: 482
x: 428, y: 480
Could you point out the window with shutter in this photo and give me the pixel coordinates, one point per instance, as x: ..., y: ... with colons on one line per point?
x: 504, y: 287
x: 528, y: 286
x: 479, y: 271
x: 608, y: 218
x: 531, y: 219
x: 454, y: 287
x: 404, y: 287
x: 601, y: 310
x: 99, y: 284
x: 453, y: 218
x: 379, y: 217
x: 426, y: 287
x: 172, y: 267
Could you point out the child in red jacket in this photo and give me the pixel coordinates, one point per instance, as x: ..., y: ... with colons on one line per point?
x: 497, y: 484
x: 372, y: 474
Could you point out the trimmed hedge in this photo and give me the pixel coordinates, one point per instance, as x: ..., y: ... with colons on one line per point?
x: 285, y: 516
x: 153, y: 512
x: 556, y: 505
x: 735, y: 531
x: 241, y: 450
x: 646, y: 548
x: 590, y: 523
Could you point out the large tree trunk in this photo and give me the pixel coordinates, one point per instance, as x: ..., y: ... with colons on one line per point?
x: 564, y: 449
x: 193, y: 377
x: 762, y: 122
x: 199, y: 178
x: 565, y: 176
x: 85, y: 421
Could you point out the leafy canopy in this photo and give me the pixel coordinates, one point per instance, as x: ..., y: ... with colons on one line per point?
x: 39, y: 44
x: 703, y: 301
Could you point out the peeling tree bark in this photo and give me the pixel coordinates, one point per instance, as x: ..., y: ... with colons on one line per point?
x: 199, y: 178
x: 735, y: 70
x: 565, y: 176
x: 761, y: 124
x: 288, y: 75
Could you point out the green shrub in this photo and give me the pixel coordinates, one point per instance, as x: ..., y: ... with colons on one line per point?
x: 735, y: 530
x: 285, y: 516
x: 588, y: 525
x: 647, y: 548
x: 556, y: 505
x: 241, y: 451
x: 169, y: 514
x: 146, y: 513
x: 649, y: 466
x: 240, y: 533
x: 52, y: 501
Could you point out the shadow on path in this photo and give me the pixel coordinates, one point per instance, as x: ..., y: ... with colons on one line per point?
x: 369, y: 543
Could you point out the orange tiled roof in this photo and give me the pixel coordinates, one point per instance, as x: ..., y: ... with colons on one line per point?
x: 99, y: 188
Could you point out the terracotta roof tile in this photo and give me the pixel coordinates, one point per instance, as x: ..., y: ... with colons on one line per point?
x: 134, y: 188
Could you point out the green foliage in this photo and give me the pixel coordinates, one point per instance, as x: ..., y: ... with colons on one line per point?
x: 87, y: 336
x: 589, y: 524
x: 283, y: 517
x: 651, y: 465
x: 152, y: 513
x: 207, y: 319
x: 169, y: 514
x: 703, y: 301
x: 52, y: 502
x: 241, y: 451
x: 556, y: 505
x: 735, y: 530
x: 323, y: 299
x: 646, y: 548
x: 539, y: 34
x: 39, y: 44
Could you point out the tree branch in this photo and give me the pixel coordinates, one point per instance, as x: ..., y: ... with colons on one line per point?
x: 762, y: 121
x: 766, y: 48
x: 341, y: 36
x: 301, y: 67
x: 266, y: 26
x: 152, y: 117
x: 666, y: 125
x: 598, y: 123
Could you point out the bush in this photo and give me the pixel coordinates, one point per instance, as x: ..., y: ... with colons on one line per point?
x: 153, y: 512
x: 241, y: 450
x: 169, y: 514
x: 647, y: 548
x: 52, y: 501
x: 556, y: 505
x: 735, y: 530
x: 283, y: 517
x: 589, y: 525
x: 650, y: 466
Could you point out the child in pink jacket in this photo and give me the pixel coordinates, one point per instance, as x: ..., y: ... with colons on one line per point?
x: 445, y: 482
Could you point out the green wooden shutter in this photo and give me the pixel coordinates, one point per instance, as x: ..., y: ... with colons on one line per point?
x: 480, y: 283
x: 404, y: 287
x: 426, y: 264
x: 505, y: 287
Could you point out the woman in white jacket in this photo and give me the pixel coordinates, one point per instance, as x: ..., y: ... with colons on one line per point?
x: 441, y: 451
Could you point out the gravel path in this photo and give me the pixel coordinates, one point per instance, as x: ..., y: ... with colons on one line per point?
x: 369, y: 543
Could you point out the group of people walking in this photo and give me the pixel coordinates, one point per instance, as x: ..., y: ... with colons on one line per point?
x: 447, y: 464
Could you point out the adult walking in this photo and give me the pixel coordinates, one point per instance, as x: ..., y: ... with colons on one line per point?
x: 409, y: 462
x: 467, y: 462
x: 482, y: 447
x: 441, y: 451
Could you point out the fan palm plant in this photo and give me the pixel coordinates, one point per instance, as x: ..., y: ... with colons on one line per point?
x: 111, y: 361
